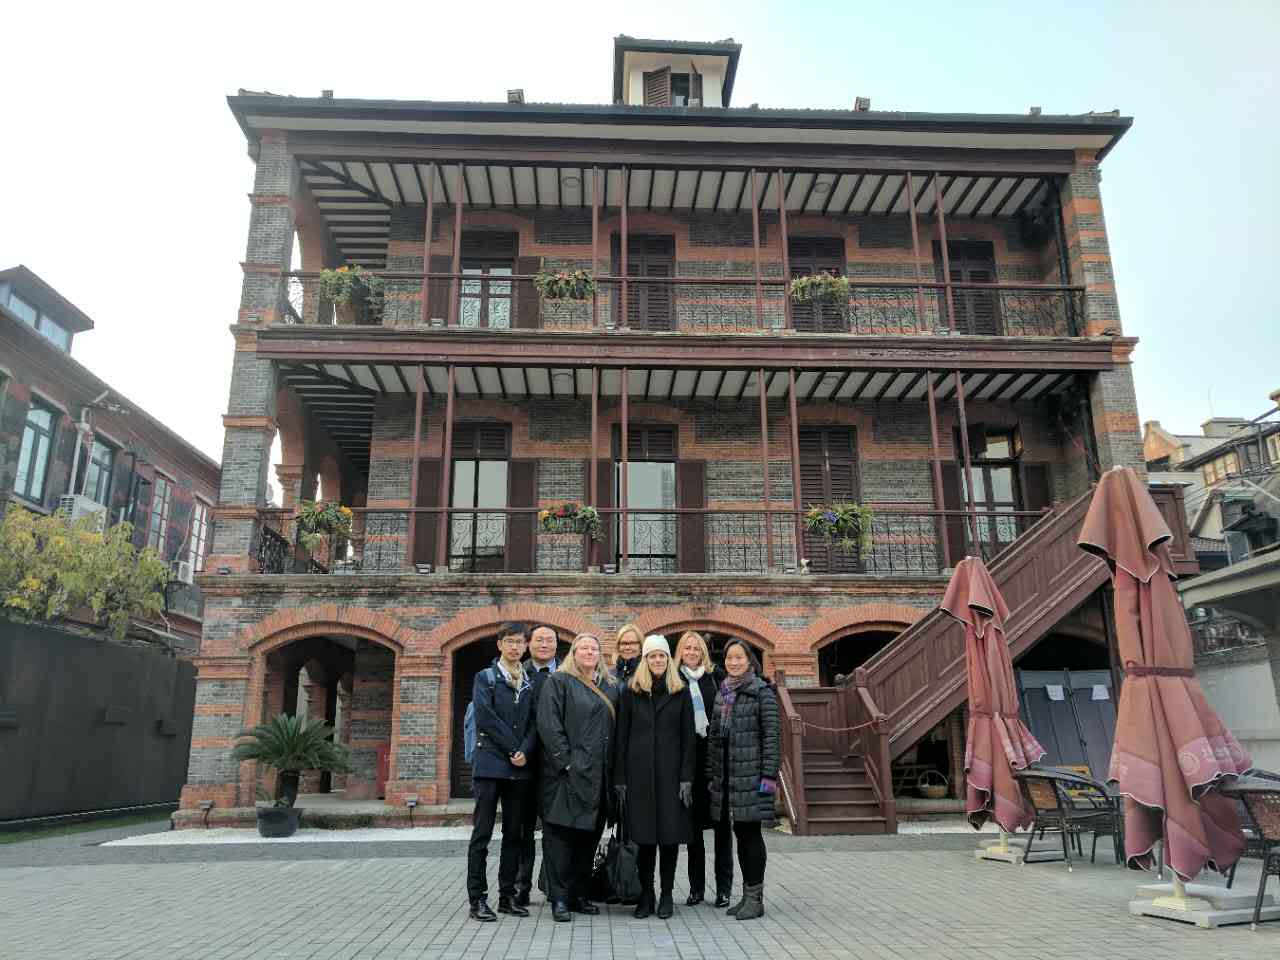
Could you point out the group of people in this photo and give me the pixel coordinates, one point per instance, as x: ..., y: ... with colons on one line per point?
x: 667, y: 746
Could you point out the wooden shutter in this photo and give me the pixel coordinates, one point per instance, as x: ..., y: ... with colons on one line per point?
x: 657, y: 87
x: 691, y: 483
x: 695, y: 84
x: 973, y: 261
x: 438, y: 290
x: 828, y: 474
x: 809, y: 255
x: 427, y: 525
x: 528, y: 303
x: 487, y: 441
x: 606, y: 549
x: 650, y: 306
x: 953, y: 499
x: 522, y: 492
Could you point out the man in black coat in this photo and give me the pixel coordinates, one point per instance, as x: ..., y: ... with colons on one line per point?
x: 540, y: 665
x: 504, y: 702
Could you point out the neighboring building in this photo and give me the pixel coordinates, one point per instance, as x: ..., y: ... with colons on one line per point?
x: 690, y: 396
x: 126, y: 464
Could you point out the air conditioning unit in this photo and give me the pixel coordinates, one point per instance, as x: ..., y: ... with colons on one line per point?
x: 183, y: 571
x: 78, y: 506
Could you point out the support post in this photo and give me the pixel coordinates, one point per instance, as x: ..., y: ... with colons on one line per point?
x: 455, y: 288
x: 764, y: 464
x: 595, y: 293
x: 915, y: 255
x: 592, y: 469
x: 446, y: 468
x: 946, y: 256
x: 938, y: 502
x: 755, y: 250
x: 622, y: 241
x: 428, y: 226
x: 623, y: 538
x: 967, y: 482
x: 795, y: 465
x: 786, y: 254
x: 413, y: 470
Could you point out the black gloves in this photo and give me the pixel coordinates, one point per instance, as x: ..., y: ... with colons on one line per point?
x: 686, y: 794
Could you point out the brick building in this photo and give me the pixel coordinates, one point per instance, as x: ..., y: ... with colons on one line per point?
x: 126, y: 464
x: 979, y: 337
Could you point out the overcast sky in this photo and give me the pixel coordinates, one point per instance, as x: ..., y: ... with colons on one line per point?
x: 126, y: 176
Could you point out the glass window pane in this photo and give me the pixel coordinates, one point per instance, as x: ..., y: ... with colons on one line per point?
x: 40, y: 463
x: 500, y: 313
x: 54, y: 333
x: 979, y: 485
x: 1002, y: 484
x: 24, y: 461
x: 25, y: 311
x: 40, y: 417
x: 464, y: 483
x: 998, y: 446
x: 493, y: 484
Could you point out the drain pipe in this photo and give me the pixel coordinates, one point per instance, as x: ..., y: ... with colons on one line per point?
x: 82, y: 428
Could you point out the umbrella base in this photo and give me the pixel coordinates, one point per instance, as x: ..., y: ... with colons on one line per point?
x: 1208, y: 919
x: 1215, y: 897
x: 1007, y: 854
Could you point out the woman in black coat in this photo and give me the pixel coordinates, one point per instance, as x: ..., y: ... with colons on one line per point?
x: 703, y: 678
x: 576, y: 711
x: 627, y: 655
x: 654, y: 768
x: 742, y: 767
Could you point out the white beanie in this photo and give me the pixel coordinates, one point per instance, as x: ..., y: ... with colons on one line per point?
x: 655, y: 641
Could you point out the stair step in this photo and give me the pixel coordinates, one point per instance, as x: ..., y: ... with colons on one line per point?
x: 832, y: 778
x: 838, y: 809
x: 838, y: 794
x: 835, y: 826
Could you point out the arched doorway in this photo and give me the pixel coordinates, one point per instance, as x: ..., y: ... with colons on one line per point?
x: 842, y: 656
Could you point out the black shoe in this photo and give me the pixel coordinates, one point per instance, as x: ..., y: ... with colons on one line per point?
x: 480, y: 911
x: 584, y: 906
x: 560, y: 912
x: 644, y: 908
x: 665, y: 907
x: 722, y: 899
x: 522, y: 898
x: 693, y: 899
x: 508, y: 905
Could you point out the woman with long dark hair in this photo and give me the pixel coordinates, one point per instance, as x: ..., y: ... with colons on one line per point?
x: 742, y: 767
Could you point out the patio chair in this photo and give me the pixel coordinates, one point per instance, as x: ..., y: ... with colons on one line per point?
x: 1260, y: 819
x: 1069, y: 804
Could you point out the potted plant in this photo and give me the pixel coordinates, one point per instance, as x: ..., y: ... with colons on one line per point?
x: 290, y: 745
x: 819, y: 288
x: 356, y: 293
x: 565, y: 284
x: 847, y: 526
x: 318, y: 519
x: 570, y: 517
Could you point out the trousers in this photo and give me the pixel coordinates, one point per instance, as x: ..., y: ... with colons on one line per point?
x: 512, y: 794
x: 528, y: 844
x: 646, y: 856
x: 567, y: 858
x: 723, y: 860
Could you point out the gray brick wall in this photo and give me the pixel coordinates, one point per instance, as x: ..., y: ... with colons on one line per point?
x: 244, y: 467
x: 211, y: 765
x: 419, y: 690
x: 220, y: 692
x: 253, y: 386
x: 416, y: 762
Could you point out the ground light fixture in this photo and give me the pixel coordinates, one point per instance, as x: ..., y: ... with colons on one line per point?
x: 411, y: 801
x: 206, y: 806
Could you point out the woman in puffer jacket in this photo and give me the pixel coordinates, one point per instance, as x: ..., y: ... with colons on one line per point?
x: 742, y: 767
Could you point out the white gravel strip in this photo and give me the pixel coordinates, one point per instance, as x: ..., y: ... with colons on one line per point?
x: 223, y: 835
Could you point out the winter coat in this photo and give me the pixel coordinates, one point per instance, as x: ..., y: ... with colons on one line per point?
x: 752, y: 736
x: 709, y: 684
x: 653, y: 756
x: 505, y: 724
x: 623, y: 670
x: 576, y: 733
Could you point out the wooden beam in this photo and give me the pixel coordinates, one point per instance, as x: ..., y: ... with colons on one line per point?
x: 853, y: 193
x: 831, y: 194
x: 911, y: 386
x: 875, y: 194
x: 896, y: 196
x: 939, y: 502
x: 715, y: 204
x: 456, y: 265
x: 786, y: 252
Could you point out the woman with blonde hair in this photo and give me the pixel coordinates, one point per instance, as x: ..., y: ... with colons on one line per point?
x: 703, y: 681
x: 627, y: 658
x: 576, y: 710
x: 654, y: 768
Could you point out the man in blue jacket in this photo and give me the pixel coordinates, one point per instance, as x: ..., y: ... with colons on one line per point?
x: 506, y: 735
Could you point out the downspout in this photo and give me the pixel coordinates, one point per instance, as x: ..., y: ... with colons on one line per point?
x: 83, y: 428
x: 1064, y: 266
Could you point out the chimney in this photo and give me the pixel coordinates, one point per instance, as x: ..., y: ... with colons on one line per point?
x: 1274, y: 396
x: 1034, y: 111
x: 326, y: 94
x: 861, y: 104
x: 515, y: 96
x: 1222, y: 427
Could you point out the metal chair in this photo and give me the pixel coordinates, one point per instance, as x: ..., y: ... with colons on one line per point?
x: 1069, y: 804
x: 1260, y: 818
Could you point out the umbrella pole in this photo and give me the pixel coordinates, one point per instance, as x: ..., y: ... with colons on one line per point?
x: 1180, y: 900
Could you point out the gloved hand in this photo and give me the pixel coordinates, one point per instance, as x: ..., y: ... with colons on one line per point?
x: 768, y: 785
x: 686, y: 794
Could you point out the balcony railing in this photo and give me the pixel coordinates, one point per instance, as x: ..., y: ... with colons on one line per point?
x: 904, y: 541
x: 697, y: 305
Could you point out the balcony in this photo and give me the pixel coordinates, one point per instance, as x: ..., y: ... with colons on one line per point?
x: 904, y: 541
x: 695, y: 305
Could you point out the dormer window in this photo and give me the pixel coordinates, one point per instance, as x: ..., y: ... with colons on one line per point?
x: 673, y: 73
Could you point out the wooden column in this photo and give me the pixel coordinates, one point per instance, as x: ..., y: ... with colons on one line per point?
x: 939, y: 503
x: 786, y: 249
x: 764, y: 464
x: 621, y: 324
x: 967, y: 481
x: 946, y: 256
x: 595, y: 294
x: 446, y: 468
x: 755, y: 250
x: 593, y: 488
x: 915, y: 253
x: 623, y: 533
x: 795, y: 465
x: 456, y: 268
x: 413, y: 469
x: 428, y: 226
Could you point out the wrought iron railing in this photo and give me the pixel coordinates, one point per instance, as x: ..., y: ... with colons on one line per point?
x: 707, y: 305
x: 1218, y: 633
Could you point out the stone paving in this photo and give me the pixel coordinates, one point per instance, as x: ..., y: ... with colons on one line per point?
x: 888, y: 898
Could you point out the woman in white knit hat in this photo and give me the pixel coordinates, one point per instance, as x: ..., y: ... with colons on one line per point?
x: 654, y: 767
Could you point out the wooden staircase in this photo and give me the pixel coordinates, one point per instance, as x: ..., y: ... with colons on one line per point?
x: 838, y: 796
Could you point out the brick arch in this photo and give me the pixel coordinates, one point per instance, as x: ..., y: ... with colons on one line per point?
x: 860, y: 619
x: 285, y: 626
x: 479, y: 622
x: 719, y: 619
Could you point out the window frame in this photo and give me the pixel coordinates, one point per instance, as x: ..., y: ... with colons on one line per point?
x: 156, y: 538
x: 460, y: 517
x: 50, y: 435
x: 486, y: 295
x: 669, y: 525
x: 91, y: 463
x: 989, y: 528
x: 198, y: 535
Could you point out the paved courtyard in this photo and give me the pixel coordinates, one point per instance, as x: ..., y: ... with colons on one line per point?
x: 920, y: 897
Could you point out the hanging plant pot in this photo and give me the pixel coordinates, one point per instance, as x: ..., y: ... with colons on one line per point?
x: 275, y: 822
x: 819, y: 288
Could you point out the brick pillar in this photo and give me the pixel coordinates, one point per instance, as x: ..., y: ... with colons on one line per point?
x: 342, y: 723
x: 417, y: 731
x: 316, y: 703
x: 289, y: 476
x: 222, y: 691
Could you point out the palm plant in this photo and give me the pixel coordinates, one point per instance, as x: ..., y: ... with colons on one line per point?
x: 292, y: 745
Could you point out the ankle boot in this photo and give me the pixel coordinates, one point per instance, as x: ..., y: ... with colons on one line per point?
x: 665, y: 906
x: 644, y: 909
x: 752, y: 902
x: 737, y: 907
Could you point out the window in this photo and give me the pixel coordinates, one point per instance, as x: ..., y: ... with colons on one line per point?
x: 487, y: 302
x: 97, y: 480
x: 161, y: 499
x: 478, y: 540
x: 810, y: 255
x: 679, y: 89
x: 1273, y: 448
x: 25, y: 311
x: 649, y: 305
x: 1219, y: 468
x: 994, y: 477
x: 828, y: 474
x: 52, y: 331
x: 55, y: 333
x: 651, y: 485
x: 199, y: 535
x: 33, y: 459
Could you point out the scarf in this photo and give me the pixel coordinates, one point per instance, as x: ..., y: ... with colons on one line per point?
x: 695, y: 691
x: 729, y: 692
x: 519, y: 685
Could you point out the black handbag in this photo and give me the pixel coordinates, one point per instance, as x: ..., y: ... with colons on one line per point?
x: 620, y: 865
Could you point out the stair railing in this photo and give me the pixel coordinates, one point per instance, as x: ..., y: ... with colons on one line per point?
x: 870, y: 740
x: 791, y: 759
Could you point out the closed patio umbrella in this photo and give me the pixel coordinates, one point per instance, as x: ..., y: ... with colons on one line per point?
x: 998, y: 741
x: 1171, y: 748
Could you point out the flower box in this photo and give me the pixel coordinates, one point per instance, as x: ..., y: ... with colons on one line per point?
x: 821, y: 288
x: 570, y: 517
x: 565, y: 284
x: 847, y: 526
